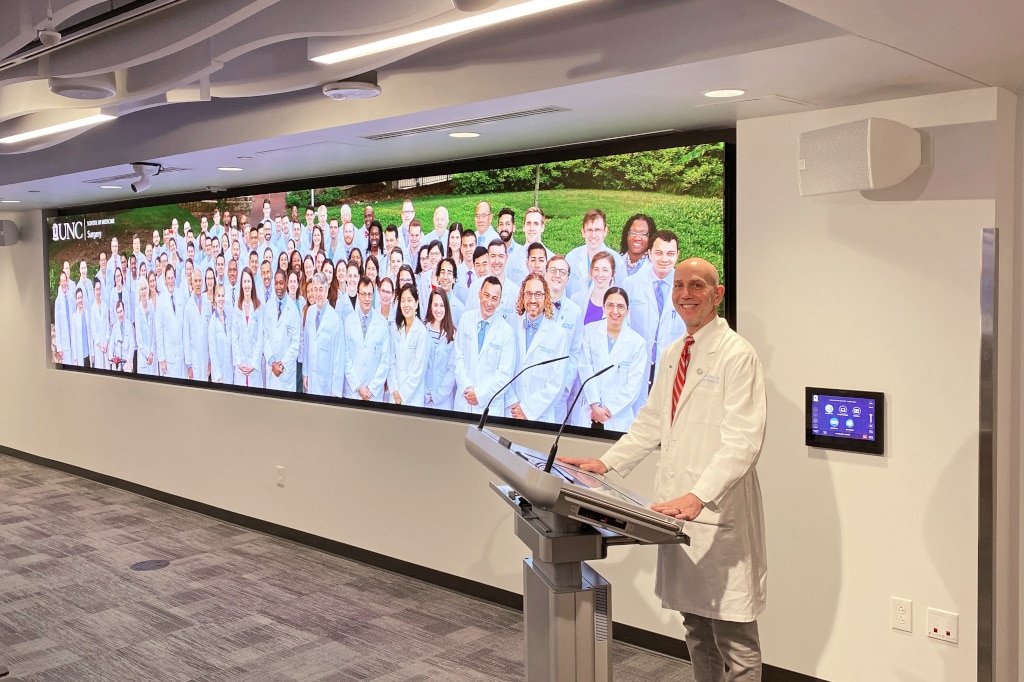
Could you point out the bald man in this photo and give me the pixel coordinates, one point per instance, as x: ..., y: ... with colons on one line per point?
x: 708, y: 406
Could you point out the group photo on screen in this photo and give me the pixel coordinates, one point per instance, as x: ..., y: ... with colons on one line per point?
x: 427, y: 292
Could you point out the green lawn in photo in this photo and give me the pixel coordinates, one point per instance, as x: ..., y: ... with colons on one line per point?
x: 696, y: 220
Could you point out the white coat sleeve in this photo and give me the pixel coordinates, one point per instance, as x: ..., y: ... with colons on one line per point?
x: 376, y: 383
x: 417, y: 367
x: 644, y: 435
x: 504, y: 371
x: 627, y: 379
x: 161, y: 346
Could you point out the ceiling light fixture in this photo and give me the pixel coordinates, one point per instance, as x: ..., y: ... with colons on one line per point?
x: 233, y: 169
x: 48, y: 35
x: 358, y: 87
x: 110, y: 186
x: 10, y: 201
x: 444, y: 30
x: 59, y: 128
x: 463, y: 135
x: 726, y: 92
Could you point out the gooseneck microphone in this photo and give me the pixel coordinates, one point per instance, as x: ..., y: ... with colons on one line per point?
x: 483, y: 417
x: 554, y: 446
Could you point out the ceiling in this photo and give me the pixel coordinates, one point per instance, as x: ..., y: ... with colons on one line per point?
x: 198, y: 84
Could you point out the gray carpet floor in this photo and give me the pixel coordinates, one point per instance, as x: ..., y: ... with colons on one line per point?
x: 233, y: 605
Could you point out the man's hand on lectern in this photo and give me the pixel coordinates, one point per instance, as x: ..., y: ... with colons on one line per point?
x: 593, y: 465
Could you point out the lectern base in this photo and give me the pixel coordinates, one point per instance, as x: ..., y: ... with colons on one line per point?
x: 569, y: 626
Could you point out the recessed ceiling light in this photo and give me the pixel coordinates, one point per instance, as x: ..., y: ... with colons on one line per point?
x: 110, y: 186
x: 728, y: 92
x: 233, y: 169
x: 465, y: 25
x: 461, y: 135
x: 10, y: 201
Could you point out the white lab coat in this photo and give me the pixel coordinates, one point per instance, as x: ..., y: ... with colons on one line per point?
x: 570, y: 317
x: 247, y: 345
x: 281, y: 344
x: 486, y: 368
x: 537, y: 391
x: 170, y: 321
x: 439, y: 380
x: 99, y: 334
x: 410, y: 352
x: 63, y: 311
x: 81, y: 344
x: 195, y: 337
x: 222, y: 369
x: 617, y: 389
x: 122, y: 345
x: 369, y: 357
x: 326, y: 353
x: 145, y: 339
x: 644, y: 318
x: 710, y: 449
x: 126, y: 298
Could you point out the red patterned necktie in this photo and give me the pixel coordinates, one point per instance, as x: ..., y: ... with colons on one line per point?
x: 684, y: 362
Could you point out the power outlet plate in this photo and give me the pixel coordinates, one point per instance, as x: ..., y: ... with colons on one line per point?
x: 280, y: 477
x: 943, y: 625
x: 901, y: 614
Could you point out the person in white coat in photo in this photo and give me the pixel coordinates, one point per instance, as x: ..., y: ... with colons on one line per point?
x: 170, y: 324
x: 410, y: 351
x: 81, y: 344
x: 368, y: 341
x: 99, y: 327
x: 651, y: 313
x: 122, y: 341
x: 705, y: 417
x: 324, y: 364
x: 485, y: 352
x: 63, y: 310
x: 247, y: 334
x: 222, y: 369
x: 539, y: 337
x: 609, y: 399
x: 283, y: 328
x: 145, y: 331
x: 440, y: 376
x: 195, y: 332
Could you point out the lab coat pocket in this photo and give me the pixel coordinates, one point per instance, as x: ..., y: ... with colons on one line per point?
x: 705, y: 404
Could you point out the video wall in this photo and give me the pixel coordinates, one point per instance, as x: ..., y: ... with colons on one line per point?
x: 410, y: 294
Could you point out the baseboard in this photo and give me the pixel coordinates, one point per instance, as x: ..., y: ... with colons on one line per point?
x: 628, y: 634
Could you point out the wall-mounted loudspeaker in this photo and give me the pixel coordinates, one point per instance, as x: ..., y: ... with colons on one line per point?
x: 8, y: 233
x: 869, y: 154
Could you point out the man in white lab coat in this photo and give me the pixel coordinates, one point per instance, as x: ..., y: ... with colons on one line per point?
x: 63, y: 310
x: 195, y: 332
x: 282, y: 326
x: 651, y: 313
x: 706, y: 416
x: 539, y: 337
x: 485, y: 352
x: 170, y: 322
x: 368, y: 338
x: 323, y: 367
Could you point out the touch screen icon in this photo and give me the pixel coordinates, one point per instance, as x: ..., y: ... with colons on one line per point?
x: 849, y: 423
x: 829, y: 408
x: 834, y: 422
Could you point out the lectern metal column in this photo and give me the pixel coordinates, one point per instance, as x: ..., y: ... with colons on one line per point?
x: 566, y: 603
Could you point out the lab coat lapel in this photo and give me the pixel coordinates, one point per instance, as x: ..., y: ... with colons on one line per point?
x: 699, y: 365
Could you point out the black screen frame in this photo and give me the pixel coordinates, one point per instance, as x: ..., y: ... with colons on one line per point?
x: 726, y: 136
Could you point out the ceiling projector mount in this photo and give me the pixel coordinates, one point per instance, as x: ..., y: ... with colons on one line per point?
x: 363, y: 86
x: 145, y: 171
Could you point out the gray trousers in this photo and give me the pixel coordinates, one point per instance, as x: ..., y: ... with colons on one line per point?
x: 723, y: 650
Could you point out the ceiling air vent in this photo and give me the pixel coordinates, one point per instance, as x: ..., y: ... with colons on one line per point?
x: 466, y: 122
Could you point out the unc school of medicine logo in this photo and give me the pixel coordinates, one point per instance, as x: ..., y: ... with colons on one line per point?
x: 63, y: 231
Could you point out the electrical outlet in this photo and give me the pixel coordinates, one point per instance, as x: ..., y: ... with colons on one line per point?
x: 944, y: 625
x: 901, y: 614
x: 280, y: 477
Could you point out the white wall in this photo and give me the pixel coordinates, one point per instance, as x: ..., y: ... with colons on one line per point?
x: 876, y: 292
x: 844, y: 291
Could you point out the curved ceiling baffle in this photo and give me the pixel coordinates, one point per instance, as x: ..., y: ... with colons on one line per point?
x: 185, y: 51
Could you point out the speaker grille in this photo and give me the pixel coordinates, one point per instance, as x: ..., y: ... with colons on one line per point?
x: 835, y: 159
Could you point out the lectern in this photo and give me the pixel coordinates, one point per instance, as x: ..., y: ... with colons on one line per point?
x: 566, y: 518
